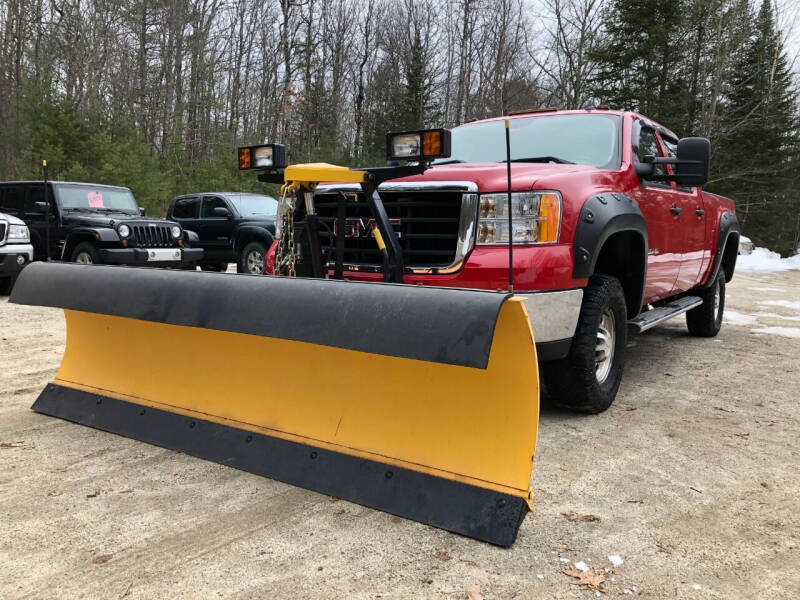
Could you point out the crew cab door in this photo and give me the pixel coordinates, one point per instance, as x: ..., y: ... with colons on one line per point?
x: 215, y: 231
x: 692, y: 223
x: 186, y: 212
x: 664, y: 236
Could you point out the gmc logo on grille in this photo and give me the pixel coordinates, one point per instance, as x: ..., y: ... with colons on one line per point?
x: 359, y: 228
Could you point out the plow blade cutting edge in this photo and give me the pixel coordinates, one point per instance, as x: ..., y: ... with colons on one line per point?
x: 416, y: 401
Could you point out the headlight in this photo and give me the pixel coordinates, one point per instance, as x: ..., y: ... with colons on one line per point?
x: 265, y: 156
x: 535, y: 218
x: 19, y: 233
x: 124, y: 231
x: 176, y: 231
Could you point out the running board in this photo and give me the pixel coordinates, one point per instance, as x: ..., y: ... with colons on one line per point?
x: 651, y: 318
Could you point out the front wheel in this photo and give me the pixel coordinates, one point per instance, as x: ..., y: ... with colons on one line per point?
x: 706, y: 319
x: 85, y: 253
x: 587, y: 380
x: 252, y: 259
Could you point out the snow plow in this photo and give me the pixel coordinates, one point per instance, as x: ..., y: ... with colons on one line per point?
x: 418, y: 401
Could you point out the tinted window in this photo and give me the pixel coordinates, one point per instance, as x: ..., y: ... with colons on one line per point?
x: 90, y: 197
x: 209, y: 204
x: 584, y: 139
x: 14, y: 199
x: 185, y: 208
x: 254, y: 204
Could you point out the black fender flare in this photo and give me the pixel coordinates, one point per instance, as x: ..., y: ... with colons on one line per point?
x: 602, y: 216
x: 728, y: 232
x: 191, y: 237
x: 104, y: 235
x: 250, y: 233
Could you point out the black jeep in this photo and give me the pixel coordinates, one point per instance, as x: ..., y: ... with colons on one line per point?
x: 93, y: 223
x: 232, y: 227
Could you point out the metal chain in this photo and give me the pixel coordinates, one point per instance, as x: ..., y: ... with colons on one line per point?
x: 286, y: 211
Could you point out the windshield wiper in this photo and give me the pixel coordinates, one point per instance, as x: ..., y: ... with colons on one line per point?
x: 448, y: 162
x: 542, y: 159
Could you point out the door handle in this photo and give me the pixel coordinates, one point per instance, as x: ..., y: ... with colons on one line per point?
x: 699, y: 212
x: 676, y: 210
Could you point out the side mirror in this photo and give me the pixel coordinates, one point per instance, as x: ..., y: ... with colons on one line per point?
x: 40, y: 207
x: 694, y: 161
x: 141, y: 211
x: 221, y: 211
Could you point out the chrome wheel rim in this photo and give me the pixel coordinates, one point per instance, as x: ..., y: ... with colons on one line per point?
x: 716, y: 300
x: 255, y: 262
x: 604, y: 346
x: 84, y: 258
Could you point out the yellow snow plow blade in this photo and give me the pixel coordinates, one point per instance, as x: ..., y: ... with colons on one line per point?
x: 417, y: 401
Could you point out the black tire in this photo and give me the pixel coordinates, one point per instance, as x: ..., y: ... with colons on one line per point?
x: 581, y: 382
x: 85, y: 253
x: 248, y: 263
x: 6, y: 285
x: 706, y: 319
x: 217, y: 267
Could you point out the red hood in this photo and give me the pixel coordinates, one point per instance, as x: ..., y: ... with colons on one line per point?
x: 492, y: 177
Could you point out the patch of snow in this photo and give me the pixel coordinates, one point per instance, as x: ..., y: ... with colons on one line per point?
x: 735, y: 318
x: 627, y: 592
x: 696, y: 587
x: 789, y: 332
x: 792, y: 304
x: 769, y: 315
x: 767, y: 289
x: 581, y: 566
x: 539, y: 576
x: 615, y: 560
x: 766, y: 261
x: 564, y: 560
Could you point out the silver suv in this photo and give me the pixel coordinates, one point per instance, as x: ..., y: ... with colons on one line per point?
x: 15, y: 250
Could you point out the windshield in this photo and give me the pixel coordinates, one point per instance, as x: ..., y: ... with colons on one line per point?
x: 90, y: 197
x: 584, y: 139
x: 254, y: 204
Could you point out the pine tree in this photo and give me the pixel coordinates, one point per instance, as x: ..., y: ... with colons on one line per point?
x: 640, y: 60
x: 758, y: 149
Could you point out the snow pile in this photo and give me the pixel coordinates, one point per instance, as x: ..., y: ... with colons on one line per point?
x: 765, y: 261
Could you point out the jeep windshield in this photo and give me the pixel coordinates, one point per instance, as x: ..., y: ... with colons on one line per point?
x: 100, y: 198
x: 583, y: 139
x: 254, y: 204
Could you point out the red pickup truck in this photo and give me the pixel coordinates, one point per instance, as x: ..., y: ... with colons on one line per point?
x: 611, y: 233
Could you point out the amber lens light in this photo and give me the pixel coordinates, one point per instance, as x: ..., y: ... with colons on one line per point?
x: 244, y: 158
x: 432, y: 143
x: 549, y: 218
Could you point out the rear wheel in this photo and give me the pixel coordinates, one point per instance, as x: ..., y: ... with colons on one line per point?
x: 587, y: 380
x: 218, y: 267
x: 85, y: 253
x: 252, y: 259
x: 706, y: 319
x: 6, y: 283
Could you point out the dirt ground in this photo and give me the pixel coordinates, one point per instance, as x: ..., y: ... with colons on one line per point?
x: 691, y: 478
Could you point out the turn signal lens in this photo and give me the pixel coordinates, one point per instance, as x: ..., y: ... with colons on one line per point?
x: 549, y: 218
x: 245, y: 159
x: 432, y: 143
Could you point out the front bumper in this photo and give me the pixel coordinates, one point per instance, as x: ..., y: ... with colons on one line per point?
x: 140, y: 256
x: 553, y: 317
x: 14, y: 258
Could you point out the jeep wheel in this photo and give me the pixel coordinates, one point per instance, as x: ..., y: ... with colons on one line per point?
x: 587, y: 380
x: 85, y: 254
x: 706, y: 319
x: 218, y: 267
x: 252, y: 259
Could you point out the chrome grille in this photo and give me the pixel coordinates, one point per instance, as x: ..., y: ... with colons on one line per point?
x: 2, y: 232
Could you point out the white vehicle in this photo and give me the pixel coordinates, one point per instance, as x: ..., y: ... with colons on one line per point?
x: 745, y: 245
x: 15, y: 250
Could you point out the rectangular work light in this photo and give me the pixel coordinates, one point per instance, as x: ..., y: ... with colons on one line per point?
x: 422, y: 145
x: 265, y: 156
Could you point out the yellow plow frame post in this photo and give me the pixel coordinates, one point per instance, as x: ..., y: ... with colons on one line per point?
x: 419, y: 401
